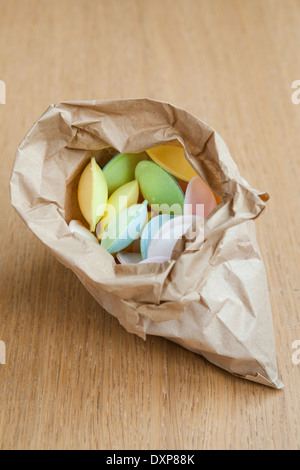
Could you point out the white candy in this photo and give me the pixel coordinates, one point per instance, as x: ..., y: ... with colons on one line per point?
x: 76, y: 226
x: 128, y: 258
x: 164, y: 240
x: 158, y: 259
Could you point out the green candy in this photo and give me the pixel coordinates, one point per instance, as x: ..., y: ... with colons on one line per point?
x: 120, y: 169
x: 159, y: 188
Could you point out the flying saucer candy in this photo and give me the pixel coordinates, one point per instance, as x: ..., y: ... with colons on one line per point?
x: 169, y: 185
x: 149, y: 231
x: 172, y: 159
x: 159, y: 188
x: 164, y: 240
x: 123, y: 197
x: 120, y: 169
x: 158, y: 259
x: 128, y: 258
x: 198, y: 193
x: 92, y: 193
x: 76, y: 226
x: 124, y: 228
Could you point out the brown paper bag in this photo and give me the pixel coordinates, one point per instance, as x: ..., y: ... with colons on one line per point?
x: 212, y: 297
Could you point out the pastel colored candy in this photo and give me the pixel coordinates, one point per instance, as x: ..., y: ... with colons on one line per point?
x: 164, y: 240
x: 157, y: 259
x: 149, y: 231
x: 123, y: 197
x: 135, y: 246
x: 197, y: 193
x: 159, y: 188
x: 124, y: 228
x: 172, y: 159
x: 128, y: 258
x: 120, y: 169
x: 92, y: 193
x: 76, y: 226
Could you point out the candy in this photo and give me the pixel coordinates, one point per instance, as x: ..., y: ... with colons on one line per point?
x: 164, y: 240
x: 124, y: 228
x: 92, y: 193
x: 159, y: 188
x: 120, y: 169
x: 76, y: 226
x: 172, y: 159
x: 149, y: 231
x: 197, y: 193
x: 123, y: 197
x: 124, y: 225
x: 157, y: 259
x: 128, y: 258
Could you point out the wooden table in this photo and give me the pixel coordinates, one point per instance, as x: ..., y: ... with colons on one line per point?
x: 74, y: 378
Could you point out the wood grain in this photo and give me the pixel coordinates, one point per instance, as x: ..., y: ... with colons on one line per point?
x: 74, y: 378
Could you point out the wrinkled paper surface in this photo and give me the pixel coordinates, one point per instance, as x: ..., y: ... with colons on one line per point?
x: 212, y: 297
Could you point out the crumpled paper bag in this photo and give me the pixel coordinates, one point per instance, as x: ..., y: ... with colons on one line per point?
x: 212, y: 297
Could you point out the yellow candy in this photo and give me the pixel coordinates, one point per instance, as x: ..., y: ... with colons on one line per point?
x: 92, y: 193
x: 171, y: 158
x: 123, y: 197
